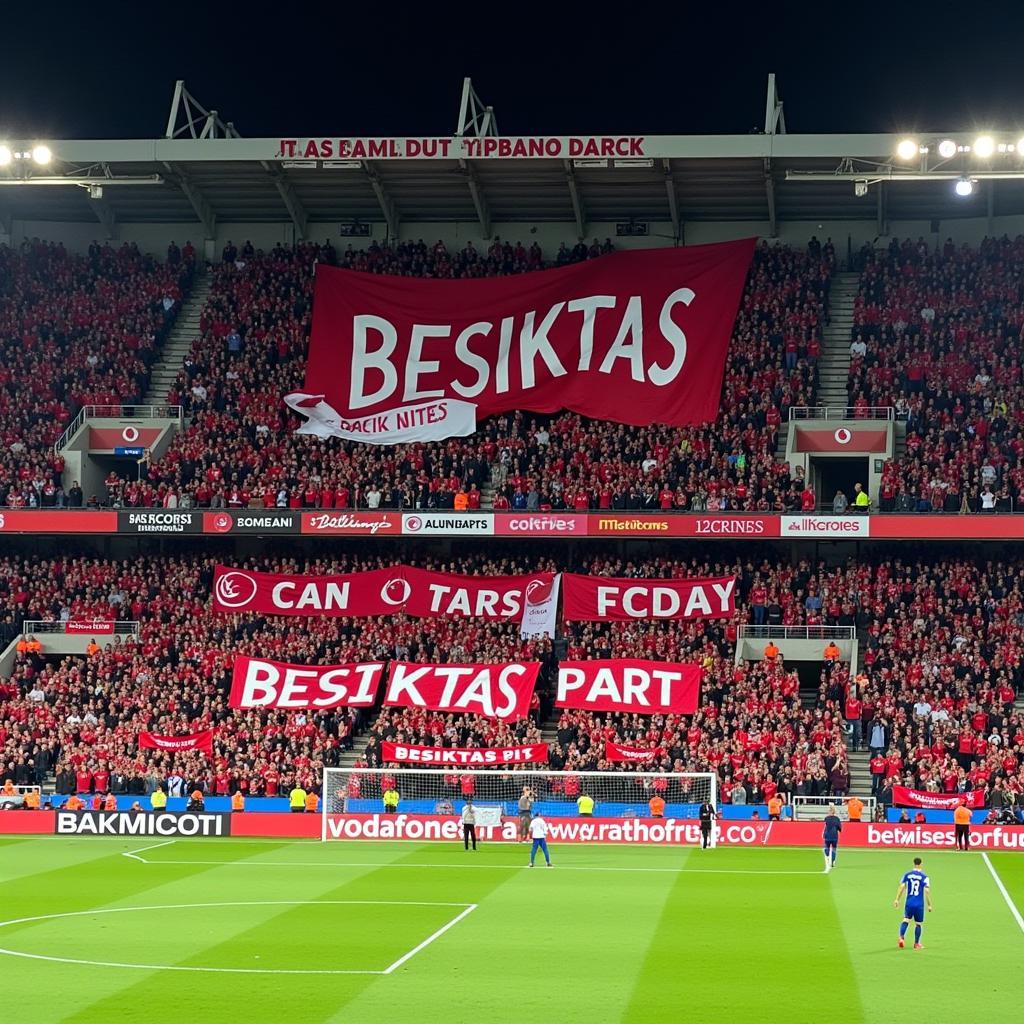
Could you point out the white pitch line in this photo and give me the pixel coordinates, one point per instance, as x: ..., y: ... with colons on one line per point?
x: 1002, y: 888
x: 134, y: 854
x: 461, y: 867
x: 430, y: 938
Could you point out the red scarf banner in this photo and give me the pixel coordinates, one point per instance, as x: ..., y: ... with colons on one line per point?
x: 466, y: 757
x: 417, y: 592
x: 258, y: 683
x: 634, y: 337
x: 902, y: 796
x: 607, y: 599
x: 623, y: 752
x: 626, y: 684
x: 494, y: 691
x: 201, y: 741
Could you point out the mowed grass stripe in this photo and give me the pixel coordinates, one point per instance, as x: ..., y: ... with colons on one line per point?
x: 1010, y: 868
x: 735, y: 948
x: 545, y: 945
x: 965, y: 939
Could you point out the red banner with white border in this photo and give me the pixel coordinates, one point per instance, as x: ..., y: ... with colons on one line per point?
x: 628, y: 684
x: 465, y: 757
x: 633, y: 337
x: 201, y: 741
x: 623, y: 753
x: 417, y: 592
x: 259, y: 683
x: 607, y: 599
x: 494, y: 691
x: 903, y: 796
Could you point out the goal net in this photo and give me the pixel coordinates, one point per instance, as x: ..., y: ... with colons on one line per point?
x: 496, y: 793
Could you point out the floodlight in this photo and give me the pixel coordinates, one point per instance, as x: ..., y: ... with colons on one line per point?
x: 984, y: 146
x: 6, y: 156
x: 947, y: 148
x: 907, y: 149
x: 964, y: 187
x: 42, y: 155
x: 1020, y: 146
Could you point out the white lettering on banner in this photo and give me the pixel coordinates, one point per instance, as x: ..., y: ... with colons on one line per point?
x: 826, y: 526
x: 464, y: 756
x: 312, y: 595
x: 466, y: 687
x: 296, y: 686
x: 649, y: 601
x: 445, y: 147
x: 351, y: 523
x: 456, y: 601
x: 637, y: 685
x: 119, y: 823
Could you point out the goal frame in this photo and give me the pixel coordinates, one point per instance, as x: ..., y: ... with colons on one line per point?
x: 515, y: 773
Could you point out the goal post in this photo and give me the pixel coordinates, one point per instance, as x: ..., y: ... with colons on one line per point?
x: 496, y: 792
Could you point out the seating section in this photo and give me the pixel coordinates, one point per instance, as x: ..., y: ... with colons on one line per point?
x: 940, y: 670
x: 937, y: 334
x: 74, y: 331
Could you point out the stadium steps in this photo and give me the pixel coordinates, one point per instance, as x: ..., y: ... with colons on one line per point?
x: 860, y: 773
x: 834, y: 365
x: 179, y: 342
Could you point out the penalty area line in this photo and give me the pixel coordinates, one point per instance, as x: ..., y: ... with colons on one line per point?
x: 134, y: 854
x: 429, y: 939
x: 1002, y: 889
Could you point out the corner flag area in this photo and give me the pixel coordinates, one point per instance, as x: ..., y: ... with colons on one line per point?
x: 98, y: 930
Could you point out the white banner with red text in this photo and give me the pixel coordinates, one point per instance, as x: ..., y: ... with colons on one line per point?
x: 494, y: 691
x: 529, y: 600
x: 464, y: 757
x: 608, y: 599
x: 629, y: 684
x: 259, y: 683
x: 633, y: 337
x: 201, y: 741
x: 903, y: 796
x: 82, y: 627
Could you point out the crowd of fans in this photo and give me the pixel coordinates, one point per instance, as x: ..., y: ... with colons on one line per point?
x: 240, y: 450
x: 933, y: 700
x: 75, y: 330
x: 937, y: 335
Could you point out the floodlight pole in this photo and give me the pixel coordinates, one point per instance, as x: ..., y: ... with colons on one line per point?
x: 774, y: 124
x: 476, y: 120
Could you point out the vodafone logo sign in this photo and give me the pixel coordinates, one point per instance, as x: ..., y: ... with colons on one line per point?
x: 538, y: 591
x: 843, y: 436
x: 396, y: 592
x: 221, y: 522
x: 130, y: 434
x: 235, y: 589
x: 413, y: 524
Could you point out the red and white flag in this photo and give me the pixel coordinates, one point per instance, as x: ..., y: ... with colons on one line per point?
x: 467, y: 757
x: 259, y: 683
x: 201, y: 741
x: 624, y: 752
x: 903, y: 796
x: 608, y: 599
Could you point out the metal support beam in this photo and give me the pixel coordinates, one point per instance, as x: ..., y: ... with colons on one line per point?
x: 291, y: 201
x: 774, y: 118
x: 105, y: 215
x: 6, y: 221
x: 882, y: 227
x: 475, y: 118
x: 990, y: 205
x: 189, y: 118
x: 577, y: 204
x: 387, y: 204
x: 769, y: 188
x: 194, y: 195
x: 673, y: 201
x: 483, y: 213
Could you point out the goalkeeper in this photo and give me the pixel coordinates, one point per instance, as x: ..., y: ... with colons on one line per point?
x: 468, y: 823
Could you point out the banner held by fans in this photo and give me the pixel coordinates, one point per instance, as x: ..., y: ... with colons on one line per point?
x: 494, y: 691
x: 259, y: 683
x: 627, y: 684
x: 903, y: 796
x: 201, y: 741
x: 607, y: 599
x: 633, y: 337
x: 619, y: 753
x: 466, y: 757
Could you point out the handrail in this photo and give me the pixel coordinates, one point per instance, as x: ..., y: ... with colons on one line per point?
x: 846, y: 412
x: 750, y: 632
x: 122, y: 627
x: 129, y: 412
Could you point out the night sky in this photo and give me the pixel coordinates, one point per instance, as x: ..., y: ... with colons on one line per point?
x: 347, y: 68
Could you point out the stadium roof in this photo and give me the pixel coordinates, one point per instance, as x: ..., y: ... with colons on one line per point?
x: 202, y: 170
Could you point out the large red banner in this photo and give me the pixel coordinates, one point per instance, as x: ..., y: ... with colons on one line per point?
x: 626, y: 684
x: 495, y: 691
x: 416, y: 592
x: 468, y: 757
x: 625, y: 753
x: 258, y: 683
x: 903, y: 796
x: 606, y: 599
x: 634, y: 337
x: 201, y: 741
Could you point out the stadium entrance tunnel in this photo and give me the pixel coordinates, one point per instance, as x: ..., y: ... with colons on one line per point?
x: 838, y: 473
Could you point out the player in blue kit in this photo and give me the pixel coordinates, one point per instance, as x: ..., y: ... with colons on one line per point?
x: 918, y: 894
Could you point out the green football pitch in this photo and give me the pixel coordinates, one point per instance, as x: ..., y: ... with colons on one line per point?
x: 377, y: 933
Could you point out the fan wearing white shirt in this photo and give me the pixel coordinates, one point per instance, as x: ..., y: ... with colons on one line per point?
x: 539, y: 833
